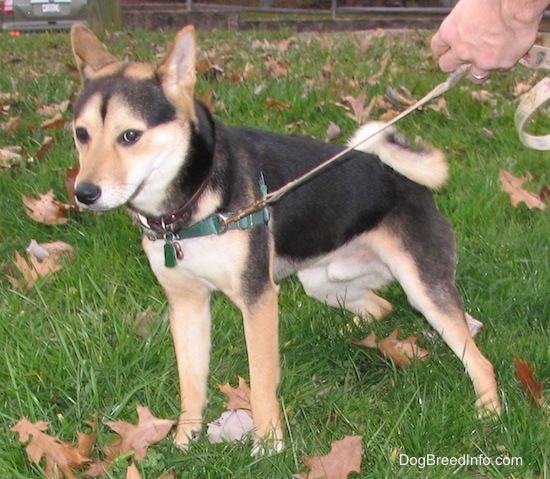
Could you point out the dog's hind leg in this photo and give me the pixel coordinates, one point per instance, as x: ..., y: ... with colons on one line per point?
x: 428, y: 281
x: 345, y: 279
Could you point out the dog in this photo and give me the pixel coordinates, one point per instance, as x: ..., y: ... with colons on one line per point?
x: 144, y: 142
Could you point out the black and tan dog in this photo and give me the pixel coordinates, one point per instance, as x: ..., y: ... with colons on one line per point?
x: 144, y: 142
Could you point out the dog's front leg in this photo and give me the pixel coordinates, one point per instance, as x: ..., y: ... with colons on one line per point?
x: 261, y: 327
x: 190, y: 326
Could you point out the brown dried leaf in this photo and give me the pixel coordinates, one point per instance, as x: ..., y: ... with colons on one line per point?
x: 48, y: 261
x: 60, y: 457
x: 138, y: 437
x: 524, y: 373
x: 333, y: 131
x: 56, y: 121
x: 277, y: 104
x: 239, y: 398
x: 54, y: 108
x: 360, y: 113
x: 514, y: 187
x: 10, y: 156
x: 343, y: 459
x: 12, y: 125
x: 46, y: 209
x: 373, y: 79
x: 402, y: 352
x: 46, y: 145
x: 276, y: 68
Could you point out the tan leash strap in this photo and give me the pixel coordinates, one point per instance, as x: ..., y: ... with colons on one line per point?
x: 452, y: 80
x: 537, y: 58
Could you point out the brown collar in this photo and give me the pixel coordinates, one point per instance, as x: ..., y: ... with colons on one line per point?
x: 162, y: 224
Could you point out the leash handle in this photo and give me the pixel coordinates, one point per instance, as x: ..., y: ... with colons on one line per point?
x: 538, y: 58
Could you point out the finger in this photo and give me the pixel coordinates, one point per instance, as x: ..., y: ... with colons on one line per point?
x: 449, y: 62
x: 438, y: 46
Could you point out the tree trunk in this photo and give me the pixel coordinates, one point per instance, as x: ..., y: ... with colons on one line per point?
x: 104, y: 15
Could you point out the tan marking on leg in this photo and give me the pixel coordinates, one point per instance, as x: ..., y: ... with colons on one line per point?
x: 449, y: 321
x: 261, y: 327
x: 190, y: 327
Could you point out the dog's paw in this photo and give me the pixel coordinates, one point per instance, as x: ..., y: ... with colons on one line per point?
x: 488, y: 407
x: 267, y: 447
x: 186, y: 433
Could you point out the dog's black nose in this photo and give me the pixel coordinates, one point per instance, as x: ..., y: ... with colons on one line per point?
x: 87, y: 193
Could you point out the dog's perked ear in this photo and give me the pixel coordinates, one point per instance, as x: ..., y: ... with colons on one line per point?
x: 90, y: 54
x: 177, y: 71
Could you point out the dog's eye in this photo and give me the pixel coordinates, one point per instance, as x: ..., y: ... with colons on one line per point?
x: 82, y: 135
x: 129, y: 137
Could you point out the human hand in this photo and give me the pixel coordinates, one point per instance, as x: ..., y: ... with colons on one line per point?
x: 488, y: 34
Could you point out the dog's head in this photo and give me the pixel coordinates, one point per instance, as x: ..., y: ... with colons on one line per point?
x: 132, y: 122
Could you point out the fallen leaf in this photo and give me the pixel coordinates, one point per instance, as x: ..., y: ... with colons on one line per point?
x: 138, y: 437
x: 60, y: 457
x: 10, y: 156
x: 514, y: 187
x: 373, y: 79
x: 401, y: 352
x: 276, y: 68
x: 239, y: 397
x: 481, y: 96
x: 524, y: 373
x: 46, y: 209
x: 143, y: 322
x: 12, y: 125
x: 343, y: 459
x: 277, y: 104
x: 359, y: 112
x: 231, y: 426
x: 46, y: 145
x: 53, y: 109
x: 400, y: 98
x: 333, y: 131
x: 57, y: 121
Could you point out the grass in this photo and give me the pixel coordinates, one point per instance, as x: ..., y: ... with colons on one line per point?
x: 68, y: 346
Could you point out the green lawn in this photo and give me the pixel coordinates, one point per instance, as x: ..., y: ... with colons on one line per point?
x: 68, y: 346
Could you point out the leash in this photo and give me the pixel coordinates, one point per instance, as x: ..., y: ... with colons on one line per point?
x: 452, y: 80
x: 538, y: 58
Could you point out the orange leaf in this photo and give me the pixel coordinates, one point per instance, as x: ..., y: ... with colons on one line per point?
x: 528, y: 383
x: 343, y: 459
x: 46, y: 209
x: 138, y: 437
x: 514, y: 187
x: 60, y: 456
x: 46, y: 145
x: 239, y: 398
x: 400, y: 352
x: 56, y: 121
x: 277, y: 104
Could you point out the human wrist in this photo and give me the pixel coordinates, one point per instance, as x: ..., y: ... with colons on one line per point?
x: 521, y: 13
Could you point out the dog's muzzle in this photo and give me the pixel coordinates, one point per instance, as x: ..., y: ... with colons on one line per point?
x: 87, y: 193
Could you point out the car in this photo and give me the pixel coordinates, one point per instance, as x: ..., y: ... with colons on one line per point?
x: 28, y: 15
